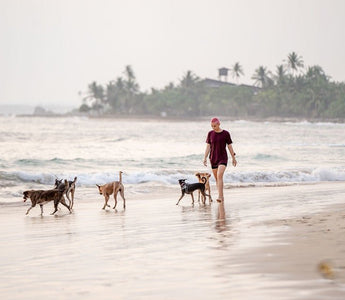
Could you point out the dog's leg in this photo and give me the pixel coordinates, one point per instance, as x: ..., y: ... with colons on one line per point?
x: 72, y: 194
x: 56, y: 203
x: 29, y: 209
x: 67, y: 196
x: 198, y: 196
x: 106, y: 198
x: 209, y: 193
x: 122, y: 193
x: 41, y: 206
x: 115, y: 198
x: 63, y: 202
x: 192, y: 197
x: 180, y: 198
x: 203, y: 197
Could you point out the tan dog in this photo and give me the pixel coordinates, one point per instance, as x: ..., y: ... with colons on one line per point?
x: 112, y: 188
x: 204, y: 178
x: 42, y: 197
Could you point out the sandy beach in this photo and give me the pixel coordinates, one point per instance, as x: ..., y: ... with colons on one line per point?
x: 157, y: 250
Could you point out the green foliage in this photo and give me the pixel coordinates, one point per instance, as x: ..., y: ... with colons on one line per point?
x: 283, y: 94
x: 84, y: 108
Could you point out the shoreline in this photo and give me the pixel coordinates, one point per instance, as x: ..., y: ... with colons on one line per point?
x: 273, y: 119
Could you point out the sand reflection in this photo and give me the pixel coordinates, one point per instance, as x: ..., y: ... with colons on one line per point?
x: 221, y: 218
x: 223, y: 228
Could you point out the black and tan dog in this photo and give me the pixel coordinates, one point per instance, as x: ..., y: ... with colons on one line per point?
x: 42, y: 197
x: 110, y: 188
x: 190, y: 188
x: 205, y: 178
x: 59, y: 184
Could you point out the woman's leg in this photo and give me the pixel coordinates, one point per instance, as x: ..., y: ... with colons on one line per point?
x: 218, y: 175
x: 215, y: 171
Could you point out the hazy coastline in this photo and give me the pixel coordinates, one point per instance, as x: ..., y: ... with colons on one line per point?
x: 28, y: 111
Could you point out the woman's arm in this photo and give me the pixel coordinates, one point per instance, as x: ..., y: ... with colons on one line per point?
x: 207, y: 152
x: 232, y: 152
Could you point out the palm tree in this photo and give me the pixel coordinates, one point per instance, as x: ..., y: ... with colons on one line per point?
x: 316, y: 72
x: 131, y: 85
x: 189, y: 80
x: 261, y: 77
x: 95, y: 92
x: 294, y: 63
x: 112, y: 94
x: 280, y: 75
x: 130, y: 88
x: 170, y: 86
x: 237, y: 71
x: 120, y: 85
x: 95, y: 96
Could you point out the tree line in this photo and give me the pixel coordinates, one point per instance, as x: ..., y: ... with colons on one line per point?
x: 292, y: 90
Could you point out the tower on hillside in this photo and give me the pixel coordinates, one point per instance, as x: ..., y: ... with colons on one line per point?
x: 223, y: 74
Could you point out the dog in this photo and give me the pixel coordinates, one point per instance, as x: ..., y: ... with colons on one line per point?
x: 59, y: 184
x: 112, y: 188
x: 42, y: 197
x: 205, y: 178
x: 190, y: 188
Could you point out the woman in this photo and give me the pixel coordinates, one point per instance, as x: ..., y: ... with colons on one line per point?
x: 217, y: 141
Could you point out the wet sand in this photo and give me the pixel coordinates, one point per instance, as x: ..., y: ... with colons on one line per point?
x: 261, y: 243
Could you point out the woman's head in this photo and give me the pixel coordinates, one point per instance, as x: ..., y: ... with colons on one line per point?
x: 215, y: 123
x: 215, y: 120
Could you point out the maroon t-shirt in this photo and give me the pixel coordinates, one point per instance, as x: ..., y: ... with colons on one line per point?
x: 218, y: 142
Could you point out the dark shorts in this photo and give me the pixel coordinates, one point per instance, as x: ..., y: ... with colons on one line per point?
x: 216, y: 166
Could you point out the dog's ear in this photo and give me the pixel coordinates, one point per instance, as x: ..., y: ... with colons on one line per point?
x: 197, y: 174
x: 98, y: 185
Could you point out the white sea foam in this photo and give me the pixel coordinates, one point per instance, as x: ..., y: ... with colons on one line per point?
x: 170, y: 177
x: 324, y: 174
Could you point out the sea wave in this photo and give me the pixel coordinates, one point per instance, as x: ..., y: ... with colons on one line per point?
x: 170, y: 177
x: 43, y: 162
x: 264, y: 156
x: 138, y: 162
x: 310, y: 123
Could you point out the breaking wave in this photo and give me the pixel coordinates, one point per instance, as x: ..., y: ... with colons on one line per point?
x: 170, y: 177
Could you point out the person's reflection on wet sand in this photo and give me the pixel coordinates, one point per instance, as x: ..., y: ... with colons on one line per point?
x: 221, y: 218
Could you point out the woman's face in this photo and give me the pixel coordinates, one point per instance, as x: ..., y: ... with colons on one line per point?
x: 215, y: 126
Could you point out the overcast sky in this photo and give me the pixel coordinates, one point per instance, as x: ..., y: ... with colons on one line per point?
x: 52, y: 49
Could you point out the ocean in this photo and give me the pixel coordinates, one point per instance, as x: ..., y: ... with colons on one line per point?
x: 35, y: 151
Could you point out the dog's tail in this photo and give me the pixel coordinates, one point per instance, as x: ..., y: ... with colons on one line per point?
x: 204, y: 179
x: 73, y: 182
x: 120, y: 176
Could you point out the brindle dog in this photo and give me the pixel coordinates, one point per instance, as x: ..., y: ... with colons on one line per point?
x: 42, y: 197
x: 59, y: 184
